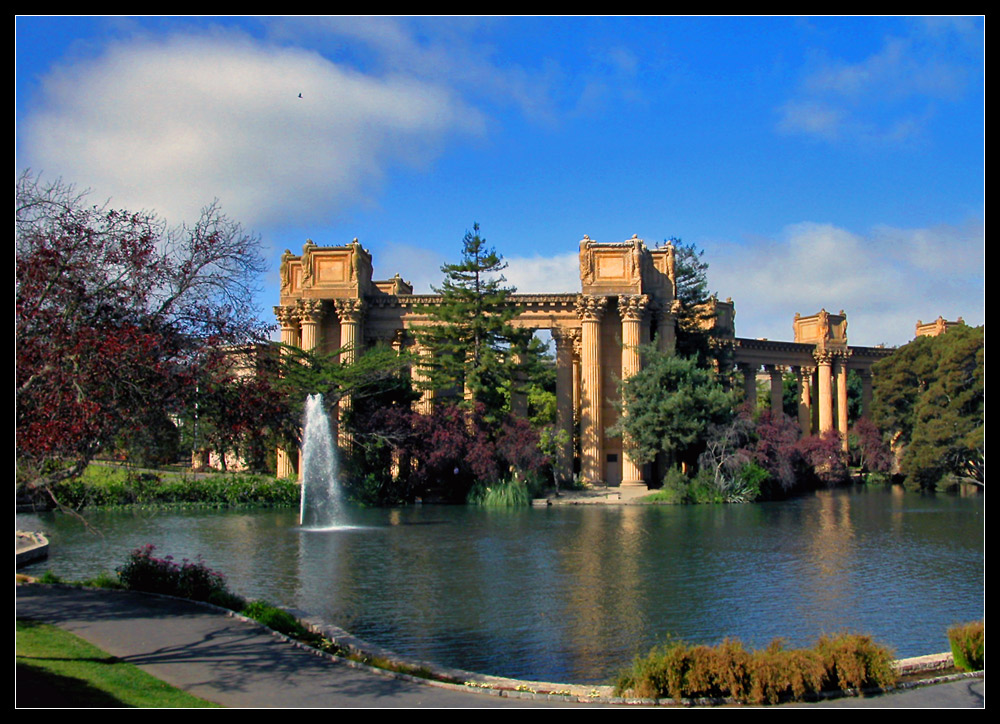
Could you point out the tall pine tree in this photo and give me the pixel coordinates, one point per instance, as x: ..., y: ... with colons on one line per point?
x: 471, y: 347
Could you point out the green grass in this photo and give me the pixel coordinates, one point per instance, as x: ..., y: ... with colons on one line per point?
x: 57, y: 669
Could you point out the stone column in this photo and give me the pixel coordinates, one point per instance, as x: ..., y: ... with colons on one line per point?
x: 804, y: 376
x: 310, y: 313
x: 564, y: 402
x: 577, y: 335
x: 351, y: 313
x: 666, y: 328
x: 777, y: 391
x: 840, y: 371
x: 749, y: 384
x: 866, y: 391
x: 633, y: 310
x: 824, y: 363
x: 591, y: 310
x: 289, y: 322
x: 288, y: 319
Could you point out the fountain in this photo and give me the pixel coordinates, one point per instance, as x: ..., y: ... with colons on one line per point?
x: 321, y: 502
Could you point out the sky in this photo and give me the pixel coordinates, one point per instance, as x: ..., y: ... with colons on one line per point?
x: 819, y: 162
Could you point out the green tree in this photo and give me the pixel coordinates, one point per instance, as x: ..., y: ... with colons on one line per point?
x: 669, y: 406
x: 472, y: 347
x: 929, y: 399
x: 696, y: 317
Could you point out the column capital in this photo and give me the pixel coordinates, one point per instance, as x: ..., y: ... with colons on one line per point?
x: 591, y: 308
x: 349, y: 310
x: 309, y: 310
x: 823, y: 357
x: 286, y: 316
x: 565, y: 337
x: 633, y: 306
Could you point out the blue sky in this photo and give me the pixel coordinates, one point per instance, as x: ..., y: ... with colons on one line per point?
x: 832, y: 162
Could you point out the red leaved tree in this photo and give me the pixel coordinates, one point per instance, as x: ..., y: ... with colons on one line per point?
x: 113, y: 311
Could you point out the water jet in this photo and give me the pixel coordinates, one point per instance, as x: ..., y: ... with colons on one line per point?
x: 321, y: 503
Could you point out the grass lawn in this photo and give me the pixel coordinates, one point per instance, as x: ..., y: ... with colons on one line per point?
x: 58, y: 669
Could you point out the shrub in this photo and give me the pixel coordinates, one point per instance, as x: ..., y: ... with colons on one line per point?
x: 968, y: 645
x: 768, y: 676
x: 111, y: 486
x: 505, y: 494
x: 777, y: 674
x: 854, y: 661
x: 189, y: 579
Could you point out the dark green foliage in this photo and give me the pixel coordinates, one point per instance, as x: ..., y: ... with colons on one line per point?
x: 669, y: 407
x: 103, y: 486
x: 153, y: 441
x: 472, y: 348
x: 742, y: 485
x: 509, y: 493
x: 968, y: 645
x: 695, y: 315
x: 929, y: 398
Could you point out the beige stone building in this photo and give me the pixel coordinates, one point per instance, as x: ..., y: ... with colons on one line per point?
x: 938, y: 326
x: 329, y: 300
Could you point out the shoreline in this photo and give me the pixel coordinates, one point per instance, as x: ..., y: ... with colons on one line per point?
x: 489, y: 685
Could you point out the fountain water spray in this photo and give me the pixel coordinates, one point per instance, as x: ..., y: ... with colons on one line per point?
x: 322, y: 498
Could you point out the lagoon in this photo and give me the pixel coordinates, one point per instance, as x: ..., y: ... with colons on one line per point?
x: 573, y: 593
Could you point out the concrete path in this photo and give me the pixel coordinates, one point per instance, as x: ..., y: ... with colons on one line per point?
x: 227, y: 660
x: 239, y: 664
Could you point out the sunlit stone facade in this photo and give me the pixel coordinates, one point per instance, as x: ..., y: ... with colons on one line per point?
x: 627, y: 298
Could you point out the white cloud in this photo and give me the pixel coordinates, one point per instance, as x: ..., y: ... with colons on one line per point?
x: 886, y: 97
x: 885, y: 280
x: 172, y: 124
x: 456, y: 51
x: 539, y: 275
x: 810, y: 117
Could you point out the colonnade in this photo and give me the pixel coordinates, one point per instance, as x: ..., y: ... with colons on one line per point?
x: 822, y: 389
x: 329, y: 301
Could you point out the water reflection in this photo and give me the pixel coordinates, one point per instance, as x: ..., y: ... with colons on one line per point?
x: 574, y: 593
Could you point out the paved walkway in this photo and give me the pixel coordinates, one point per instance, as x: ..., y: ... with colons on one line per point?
x: 239, y: 664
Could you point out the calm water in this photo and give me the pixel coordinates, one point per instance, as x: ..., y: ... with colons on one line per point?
x: 573, y: 593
